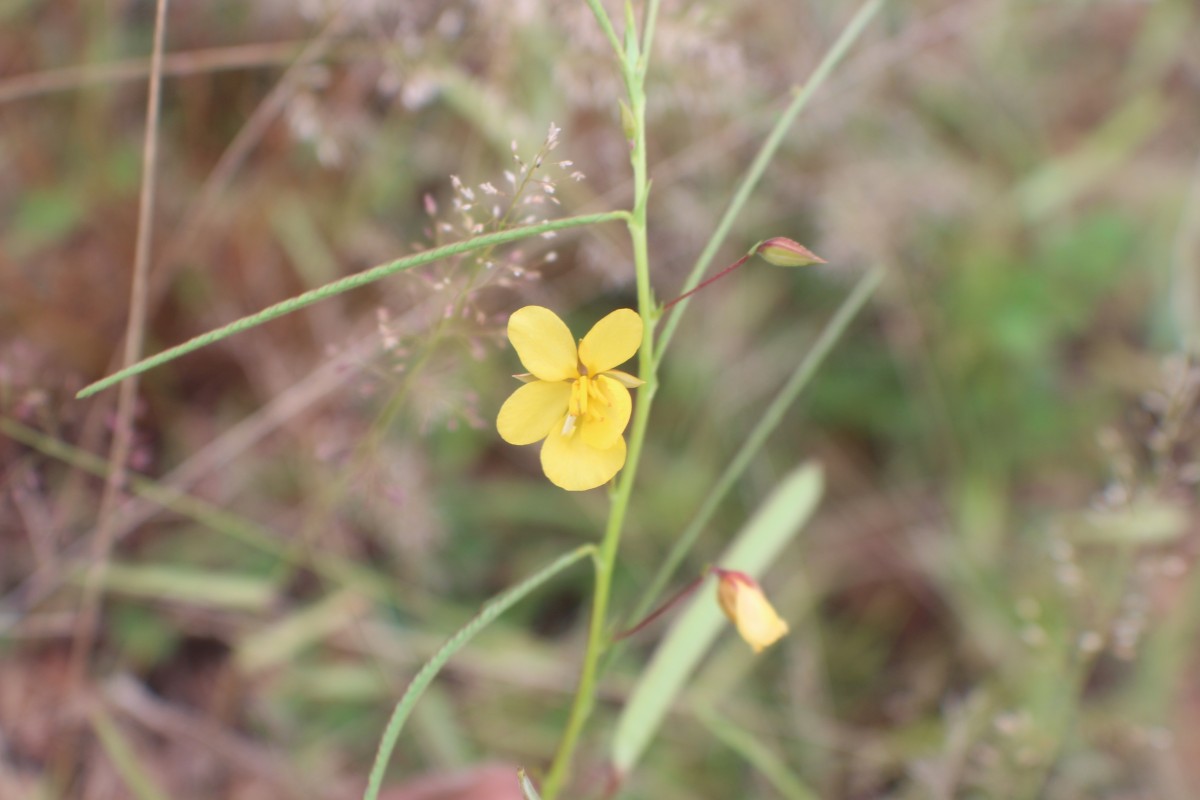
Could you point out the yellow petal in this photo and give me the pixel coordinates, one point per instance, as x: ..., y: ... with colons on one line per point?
x: 727, y: 592
x: 570, y: 463
x: 611, y: 342
x: 605, y: 424
x: 544, y: 343
x: 532, y: 410
x: 757, y: 621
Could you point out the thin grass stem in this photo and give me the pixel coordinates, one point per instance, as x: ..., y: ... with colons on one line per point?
x: 425, y: 676
x: 122, y: 444
x: 346, y: 284
x: 581, y: 708
x: 758, y: 436
x: 602, y: 19
x: 766, y: 153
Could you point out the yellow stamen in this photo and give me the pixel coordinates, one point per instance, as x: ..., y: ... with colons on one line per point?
x: 576, y: 405
x: 594, y: 391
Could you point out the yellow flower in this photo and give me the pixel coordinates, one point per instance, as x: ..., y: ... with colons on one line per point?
x: 743, y: 601
x: 573, y: 398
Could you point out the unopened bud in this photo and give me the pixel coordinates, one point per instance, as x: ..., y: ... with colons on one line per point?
x: 784, y: 252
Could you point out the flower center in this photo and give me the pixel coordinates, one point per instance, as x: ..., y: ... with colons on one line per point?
x: 587, y: 403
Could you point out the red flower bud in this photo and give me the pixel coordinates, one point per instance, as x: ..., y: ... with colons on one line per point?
x: 784, y: 252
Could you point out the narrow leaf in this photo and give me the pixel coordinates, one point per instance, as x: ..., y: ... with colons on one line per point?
x: 344, y: 285
x: 758, y: 544
x: 188, y: 585
x: 280, y: 643
x: 766, y: 153
x: 420, y: 683
x: 758, y: 755
x: 124, y: 759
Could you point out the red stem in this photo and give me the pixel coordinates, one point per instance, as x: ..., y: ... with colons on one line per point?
x: 682, y: 593
x: 713, y: 279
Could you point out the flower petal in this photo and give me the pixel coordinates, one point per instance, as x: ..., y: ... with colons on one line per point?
x: 757, y: 621
x: 612, y: 341
x: 544, y: 343
x: 531, y: 411
x: 571, y: 464
x: 603, y: 433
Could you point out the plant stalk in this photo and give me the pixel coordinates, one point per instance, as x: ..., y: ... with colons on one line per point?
x: 633, y: 68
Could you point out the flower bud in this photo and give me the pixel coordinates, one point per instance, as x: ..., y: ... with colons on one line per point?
x: 743, y: 601
x: 784, y: 252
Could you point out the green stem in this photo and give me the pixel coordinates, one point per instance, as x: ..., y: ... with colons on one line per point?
x: 765, y: 154
x: 605, y: 559
x: 420, y: 682
x: 345, y: 285
x: 598, y: 639
x: 767, y: 423
x: 606, y: 26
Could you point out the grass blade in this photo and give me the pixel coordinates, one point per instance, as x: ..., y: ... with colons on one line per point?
x: 757, y: 545
x: 188, y: 585
x: 280, y: 643
x: 767, y: 423
x: 761, y: 161
x: 121, y: 753
x: 485, y: 617
x: 757, y: 755
x: 344, y: 285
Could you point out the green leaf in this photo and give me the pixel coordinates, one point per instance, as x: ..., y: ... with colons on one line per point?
x: 343, y: 285
x: 758, y: 755
x: 280, y: 643
x: 124, y: 758
x: 420, y: 683
x: 758, y: 544
x: 189, y: 586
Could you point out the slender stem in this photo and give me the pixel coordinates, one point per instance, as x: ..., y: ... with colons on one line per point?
x: 649, y: 24
x: 598, y: 641
x: 633, y: 66
x: 606, y: 26
x: 421, y: 681
x: 664, y: 608
x: 346, y: 284
x: 710, y: 281
x: 767, y: 423
x: 88, y: 619
x: 605, y: 559
x: 759, y: 166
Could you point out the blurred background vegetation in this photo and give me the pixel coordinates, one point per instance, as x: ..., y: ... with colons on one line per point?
x: 999, y: 595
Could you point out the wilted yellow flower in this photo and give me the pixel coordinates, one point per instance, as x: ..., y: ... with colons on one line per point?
x: 743, y: 601
x: 572, y: 398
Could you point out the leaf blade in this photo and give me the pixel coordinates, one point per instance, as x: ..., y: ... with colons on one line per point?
x: 760, y: 541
